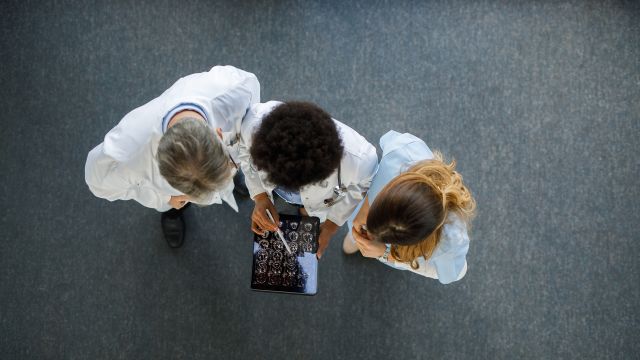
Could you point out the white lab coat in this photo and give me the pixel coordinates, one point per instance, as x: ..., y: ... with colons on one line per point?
x: 358, y: 166
x: 124, y: 166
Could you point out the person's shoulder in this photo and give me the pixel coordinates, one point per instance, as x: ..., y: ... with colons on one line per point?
x: 262, y: 109
x: 137, y: 131
x: 258, y: 111
x: 454, y: 233
x: 354, y: 143
x: 217, y: 71
x: 214, y: 81
x: 230, y: 70
x: 403, y: 149
x: 394, y: 140
x: 254, y: 117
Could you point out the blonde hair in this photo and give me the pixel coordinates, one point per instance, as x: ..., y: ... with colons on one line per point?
x: 413, y: 207
x: 192, y: 159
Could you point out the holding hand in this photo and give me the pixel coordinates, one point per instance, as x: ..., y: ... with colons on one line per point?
x: 178, y: 202
x: 260, y: 221
x: 368, y: 248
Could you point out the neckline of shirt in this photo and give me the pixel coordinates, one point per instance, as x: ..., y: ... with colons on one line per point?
x: 182, y: 107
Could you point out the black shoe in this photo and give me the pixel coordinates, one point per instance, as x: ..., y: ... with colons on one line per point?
x: 173, y: 227
x: 240, y: 186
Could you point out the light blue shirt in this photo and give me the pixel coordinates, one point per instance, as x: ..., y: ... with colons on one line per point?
x: 292, y: 197
x: 179, y: 108
x: 399, y: 153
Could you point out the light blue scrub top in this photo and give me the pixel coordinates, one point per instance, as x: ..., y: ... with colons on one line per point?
x: 292, y: 197
x: 399, y: 153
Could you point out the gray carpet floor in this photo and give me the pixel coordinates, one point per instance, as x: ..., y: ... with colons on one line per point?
x: 537, y: 100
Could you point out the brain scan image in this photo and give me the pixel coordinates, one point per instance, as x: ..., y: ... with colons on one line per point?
x: 262, y: 256
x: 287, y: 280
x: 308, y: 227
x: 293, y: 225
x: 261, y: 278
x: 291, y: 263
x: 276, y: 267
x: 261, y: 268
x: 293, y: 236
x: 277, y: 256
x: 291, y: 267
x: 273, y: 279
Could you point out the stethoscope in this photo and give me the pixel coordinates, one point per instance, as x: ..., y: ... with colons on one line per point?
x: 338, y: 194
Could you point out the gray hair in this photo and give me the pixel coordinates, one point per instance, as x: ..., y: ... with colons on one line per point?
x: 192, y: 158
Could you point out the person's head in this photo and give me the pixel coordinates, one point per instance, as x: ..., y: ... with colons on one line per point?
x: 297, y: 144
x: 410, y: 211
x: 193, y: 159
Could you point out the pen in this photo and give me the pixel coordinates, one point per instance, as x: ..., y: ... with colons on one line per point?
x: 280, y: 234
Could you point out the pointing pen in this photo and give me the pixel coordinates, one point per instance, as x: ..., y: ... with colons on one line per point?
x: 280, y: 234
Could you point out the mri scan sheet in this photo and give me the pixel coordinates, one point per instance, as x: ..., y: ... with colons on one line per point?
x: 274, y: 269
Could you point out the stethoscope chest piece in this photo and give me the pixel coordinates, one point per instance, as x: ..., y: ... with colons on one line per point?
x: 338, y: 194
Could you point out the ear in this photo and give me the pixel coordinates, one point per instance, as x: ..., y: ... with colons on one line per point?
x: 219, y: 132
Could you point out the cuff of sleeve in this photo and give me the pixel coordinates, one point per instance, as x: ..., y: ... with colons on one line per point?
x: 255, y: 191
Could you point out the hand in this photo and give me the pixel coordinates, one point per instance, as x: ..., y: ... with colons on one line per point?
x: 327, y: 230
x: 259, y: 219
x: 178, y: 202
x: 368, y: 248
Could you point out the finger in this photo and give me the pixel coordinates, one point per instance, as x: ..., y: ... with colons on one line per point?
x: 321, y: 248
x: 358, y: 238
x: 260, y: 218
x: 263, y: 220
x: 256, y: 229
x: 354, y: 230
x: 275, y: 215
x: 266, y: 221
x: 256, y: 224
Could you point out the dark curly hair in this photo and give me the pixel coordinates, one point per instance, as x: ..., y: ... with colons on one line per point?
x: 297, y: 144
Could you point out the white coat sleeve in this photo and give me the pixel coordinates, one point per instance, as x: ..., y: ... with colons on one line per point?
x: 362, y: 169
x: 110, y: 179
x: 251, y: 174
x: 231, y: 106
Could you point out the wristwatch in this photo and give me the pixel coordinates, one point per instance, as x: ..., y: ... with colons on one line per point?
x: 385, y: 257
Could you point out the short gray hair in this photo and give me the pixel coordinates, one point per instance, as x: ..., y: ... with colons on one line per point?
x: 192, y: 158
